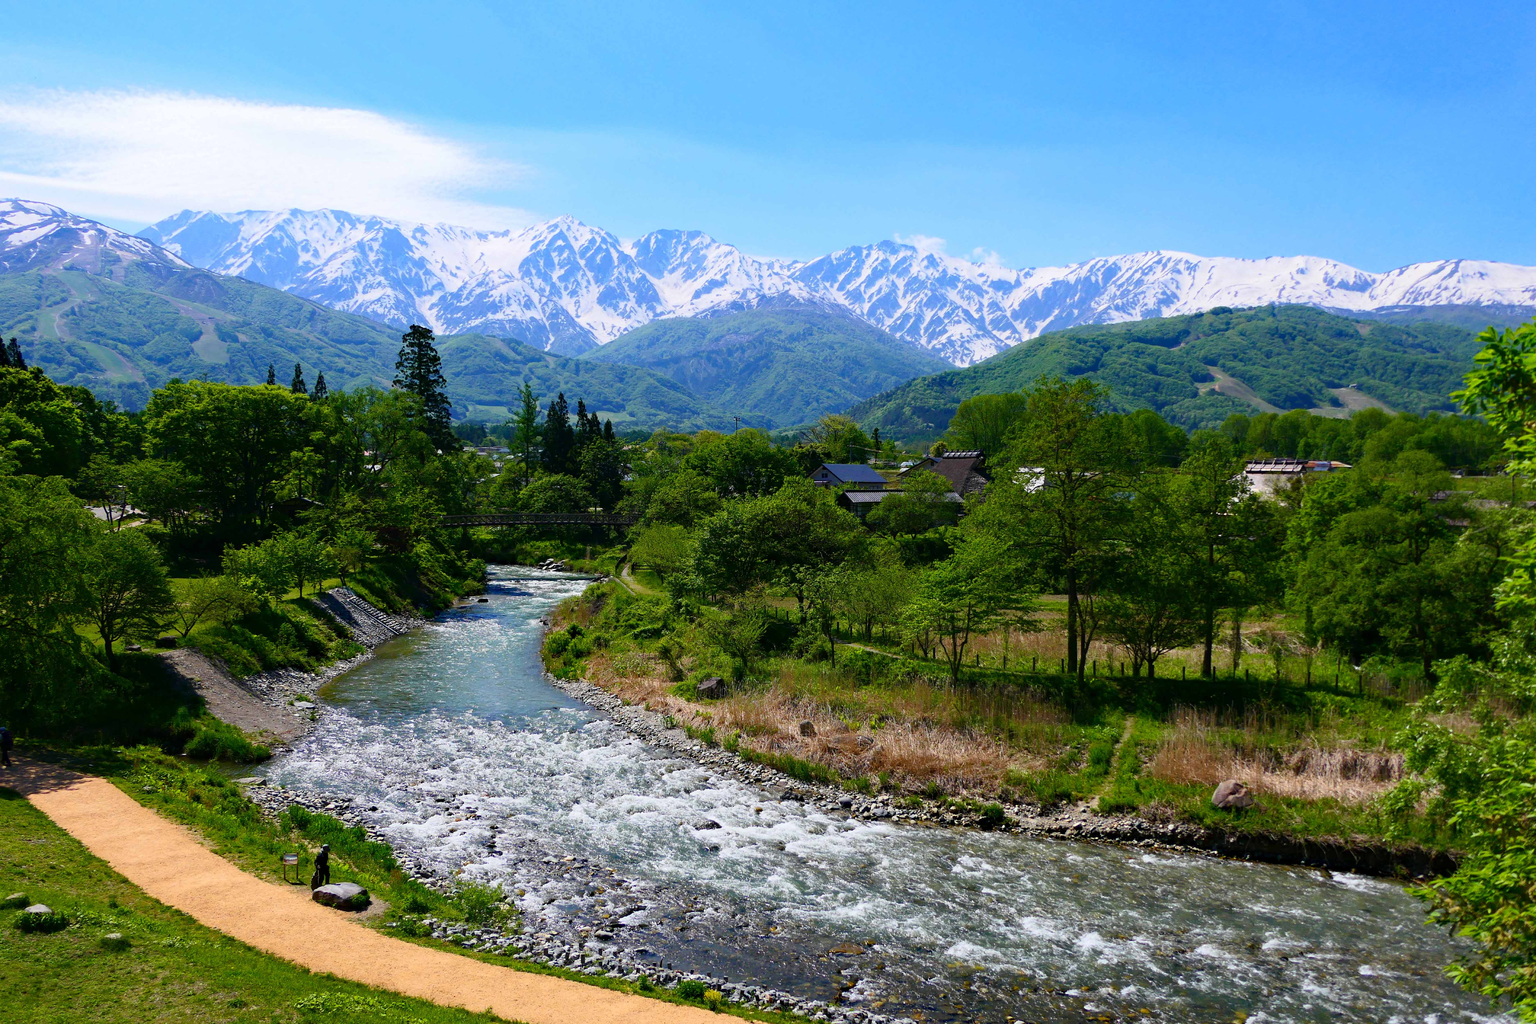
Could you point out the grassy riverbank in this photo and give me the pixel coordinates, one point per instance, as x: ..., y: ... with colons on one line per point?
x: 169, y: 970
x: 1318, y: 758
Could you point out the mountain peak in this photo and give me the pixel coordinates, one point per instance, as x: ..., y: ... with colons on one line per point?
x: 564, y: 285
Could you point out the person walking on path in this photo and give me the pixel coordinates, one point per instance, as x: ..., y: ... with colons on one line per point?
x: 6, y: 742
x: 322, y: 875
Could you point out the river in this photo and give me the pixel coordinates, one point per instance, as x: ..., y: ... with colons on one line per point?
x: 454, y: 746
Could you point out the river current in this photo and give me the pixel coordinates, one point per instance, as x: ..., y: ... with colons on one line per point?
x: 452, y: 744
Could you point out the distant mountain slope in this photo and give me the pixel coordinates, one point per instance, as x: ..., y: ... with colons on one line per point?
x: 485, y: 373
x: 564, y: 286
x: 114, y: 313
x: 773, y: 367
x: 1197, y: 369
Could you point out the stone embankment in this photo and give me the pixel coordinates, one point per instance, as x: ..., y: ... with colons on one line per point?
x: 1078, y: 823
x: 369, y: 626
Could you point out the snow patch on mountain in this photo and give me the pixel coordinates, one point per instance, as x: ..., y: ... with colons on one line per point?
x: 37, y: 235
x: 568, y: 287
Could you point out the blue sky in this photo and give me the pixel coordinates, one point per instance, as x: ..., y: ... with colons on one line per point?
x: 1377, y: 134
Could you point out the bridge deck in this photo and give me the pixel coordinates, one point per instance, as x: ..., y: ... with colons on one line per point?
x: 541, y: 519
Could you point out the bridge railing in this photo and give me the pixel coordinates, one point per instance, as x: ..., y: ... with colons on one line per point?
x: 541, y: 519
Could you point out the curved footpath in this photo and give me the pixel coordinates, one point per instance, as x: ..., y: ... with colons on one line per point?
x: 164, y: 860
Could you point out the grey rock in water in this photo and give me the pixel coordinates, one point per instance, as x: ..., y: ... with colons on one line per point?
x: 807, y: 728
x: 1231, y: 796
x: 250, y: 780
x: 342, y: 896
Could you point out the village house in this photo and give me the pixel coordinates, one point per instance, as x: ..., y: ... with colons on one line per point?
x: 965, y: 471
x: 853, y: 475
x: 1268, y: 477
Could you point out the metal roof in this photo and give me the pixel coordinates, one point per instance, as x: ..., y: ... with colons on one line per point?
x: 853, y: 473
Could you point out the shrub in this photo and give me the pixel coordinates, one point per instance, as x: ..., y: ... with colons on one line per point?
x: 691, y: 989
x: 41, y: 923
x: 299, y: 817
x: 414, y: 927
x: 213, y: 740
x: 992, y: 816
x: 15, y: 902
x: 477, y: 902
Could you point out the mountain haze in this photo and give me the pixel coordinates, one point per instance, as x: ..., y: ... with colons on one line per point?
x: 564, y: 286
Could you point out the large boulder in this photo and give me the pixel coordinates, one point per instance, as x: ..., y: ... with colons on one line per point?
x: 1231, y: 796
x: 342, y: 896
x: 712, y: 688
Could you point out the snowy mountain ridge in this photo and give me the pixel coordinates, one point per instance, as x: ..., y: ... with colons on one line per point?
x: 568, y: 287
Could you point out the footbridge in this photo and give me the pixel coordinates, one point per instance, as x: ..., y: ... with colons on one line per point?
x: 618, y: 519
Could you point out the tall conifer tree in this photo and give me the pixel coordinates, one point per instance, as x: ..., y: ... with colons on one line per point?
x: 559, y: 438
x: 420, y: 371
x: 321, y: 392
x: 527, y: 437
x: 271, y: 375
x: 298, y: 386
x: 13, y: 350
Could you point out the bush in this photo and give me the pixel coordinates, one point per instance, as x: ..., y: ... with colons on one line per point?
x: 690, y: 989
x: 213, y: 740
x: 992, y: 816
x: 299, y: 817
x: 478, y: 903
x: 41, y: 924
x: 15, y: 902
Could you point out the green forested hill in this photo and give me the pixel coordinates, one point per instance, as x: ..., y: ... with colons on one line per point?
x: 1196, y: 370
x: 773, y: 367
x: 484, y: 374
x: 136, y: 325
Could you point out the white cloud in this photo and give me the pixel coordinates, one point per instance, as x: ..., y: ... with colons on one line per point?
x: 986, y: 257
x: 145, y: 155
x: 923, y: 243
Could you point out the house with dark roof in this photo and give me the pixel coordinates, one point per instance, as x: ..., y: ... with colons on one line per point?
x: 1268, y: 477
x: 852, y: 475
x: 966, y: 471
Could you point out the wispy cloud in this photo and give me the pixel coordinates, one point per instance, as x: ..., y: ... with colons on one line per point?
x: 923, y: 243
x: 144, y: 155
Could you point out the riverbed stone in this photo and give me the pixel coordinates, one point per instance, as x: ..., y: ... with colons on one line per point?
x: 1231, y: 795
x: 342, y: 896
x: 807, y: 728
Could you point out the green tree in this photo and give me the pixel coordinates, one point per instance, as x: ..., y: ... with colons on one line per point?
x: 129, y: 594
x: 965, y: 595
x: 349, y: 551
x: 260, y: 569
x: 419, y: 370
x: 44, y: 537
x: 559, y: 447
x: 525, y: 438
x: 1063, y: 499
x: 1152, y: 605
x: 744, y: 463
x: 556, y: 493
x: 308, y: 560
x: 321, y: 392
x: 986, y: 422
x: 925, y: 502
x: 602, y: 470
x: 210, y: 599
x: 684, y: 497
x: 841, y: 438
x: 101, y: 484
x: 165, y: 492
x: 1232, y: 536
x: 298, y: 386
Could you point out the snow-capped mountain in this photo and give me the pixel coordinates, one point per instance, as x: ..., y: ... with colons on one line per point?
x: 565, y: 286
x: 34, y: 236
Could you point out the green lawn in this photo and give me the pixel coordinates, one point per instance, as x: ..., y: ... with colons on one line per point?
x: 173, y: 970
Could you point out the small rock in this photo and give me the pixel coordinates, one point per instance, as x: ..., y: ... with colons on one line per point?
x: 807, y: 728
x: 170, y: 641
x: 14, y: 900
x: 1231, y: 796
x: 38, y: 908
x: 303, y: 704
x: 342, y: 896
x: 114, y: 941
x: 483, y: 600
x: 705, y: 825
x: 250, y: 780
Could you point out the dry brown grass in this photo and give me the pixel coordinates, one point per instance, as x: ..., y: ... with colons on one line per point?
x: 908, y: 734
x: 1201, y: 750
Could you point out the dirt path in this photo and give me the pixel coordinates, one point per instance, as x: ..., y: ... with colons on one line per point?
x: 233, y: 703
x: 165, y: 861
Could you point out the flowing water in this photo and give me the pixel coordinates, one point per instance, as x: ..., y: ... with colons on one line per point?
x: 455, y: 747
